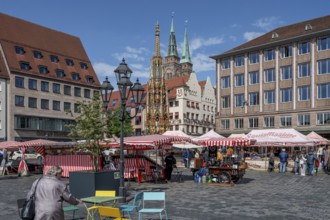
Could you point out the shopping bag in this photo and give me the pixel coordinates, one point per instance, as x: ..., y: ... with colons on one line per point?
x: 28, y: 209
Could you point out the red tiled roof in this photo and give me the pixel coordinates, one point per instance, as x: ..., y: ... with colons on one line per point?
x: 17, y: 32
x: 286, y: 32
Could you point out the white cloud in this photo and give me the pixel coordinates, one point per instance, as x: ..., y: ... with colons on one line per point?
x: 251, y: 35
x: 103, y: 69
x: 203, y: 63
x: 233, y: 38
x: 135, y: 54
x: 197, y: 43
x: 235, y: 25
x: 268, y: 23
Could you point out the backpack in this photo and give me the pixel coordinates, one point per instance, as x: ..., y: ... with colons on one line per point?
x: 317, y: 163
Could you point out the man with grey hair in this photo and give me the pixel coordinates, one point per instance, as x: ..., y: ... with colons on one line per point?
x: 49, y: 195
x: 283, y: 160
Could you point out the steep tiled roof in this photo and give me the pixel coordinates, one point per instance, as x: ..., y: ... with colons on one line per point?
x: 284, y: 33
x: 202, y: 83
x: 32, y: 37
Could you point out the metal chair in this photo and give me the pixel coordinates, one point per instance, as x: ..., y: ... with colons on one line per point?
x: 91, y: 210
x: 153, y: 197
x: 113, y: 213
x: 135, y: 205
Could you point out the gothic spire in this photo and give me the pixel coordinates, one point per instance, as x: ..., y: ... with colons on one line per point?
x: 185, y: 51
x: 157, y: 43
x: 172, y: 48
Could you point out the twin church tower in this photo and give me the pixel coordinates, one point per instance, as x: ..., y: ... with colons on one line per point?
x: 157, y: 103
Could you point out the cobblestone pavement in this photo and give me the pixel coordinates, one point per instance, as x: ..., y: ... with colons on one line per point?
x: 261, y: 195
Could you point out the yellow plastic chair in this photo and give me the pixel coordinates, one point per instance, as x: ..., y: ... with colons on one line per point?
x: 113, y: 213
x: 92, y: 209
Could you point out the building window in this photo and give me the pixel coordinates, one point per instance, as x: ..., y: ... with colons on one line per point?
x: 239, y: 123
x: 323, y: 43
x: 286, y: 95
x: 269, y: 54
x: 39, y: 123
x: 54, y: 59
x: 25, y: 65
x: 304, y: 93
x: 44, y: 86
x: 77, y: 92
x: 37, y: 54
x: 176, y: 103
x: 43, y: 69
x: 225, y: 63
x: 19, y: 50
x: 269, y: 122
x: 303, y: 120
x: 304, y: 70
x: 303, y: 48
x: 75, y: 76
x: 67, y: 106
x: 323, y: 91
x: 44, y: 104
x: 286, y: 51
x: 239, y: 60
x: 269, y: 75
x: 67, y: 90
x: 19, y: 100
x: 254, y: 98
x: 87, y: 94
x: 323, y: 118
x: 32, y: 102
x: 225, y: 82
x: 177, y: 127
x: 286, y: 121
x: 19, y: 82
x: 114, y: 102
x: 83, y: 66
x: 254, y: 57
x: 60, y: 73
x: 286, y: 72
x: 254, y: 77
x: 56, y: 105
x: 253, y: 122
x: 90, y: 79
x: 269, y: 97
x: 56, y: 88
x: 239, y: 80
x: 323, y: 66
x: 33, y: 84
x: 239, y: 100
x: 225, y: 101
x: 76, y: 108
x: 69, y: 62
x: 225, y: 124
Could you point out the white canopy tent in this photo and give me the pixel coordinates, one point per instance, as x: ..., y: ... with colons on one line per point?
x: 186, y: 146
x: 281, y: 137
x: 207, y: 136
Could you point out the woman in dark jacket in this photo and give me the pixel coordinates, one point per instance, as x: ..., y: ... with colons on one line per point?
x: 50, y: 194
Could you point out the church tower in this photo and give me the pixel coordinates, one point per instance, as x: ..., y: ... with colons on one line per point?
x: 185, y: 62
x: 172, y: 66
x: 157, y: 109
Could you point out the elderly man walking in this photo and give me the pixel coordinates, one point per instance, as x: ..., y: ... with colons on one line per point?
x: 283, y: 160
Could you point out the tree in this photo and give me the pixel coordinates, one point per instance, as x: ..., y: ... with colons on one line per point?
x: 93, y: 124
x: 114, y: 124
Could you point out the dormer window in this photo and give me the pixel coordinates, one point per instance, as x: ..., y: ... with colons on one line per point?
x: 25, y: 65
x: 69, y: 62
x: 274, y: 35
x: 37, y: 54
x: 308, y: 27
x: 90, y: 79
x: 60, y: 73
x: 19, y: 50
x: 113, y: 103
x: 43, y: 69
x: 83, y: 66
x: 54, y: 59
x: 75, y: 76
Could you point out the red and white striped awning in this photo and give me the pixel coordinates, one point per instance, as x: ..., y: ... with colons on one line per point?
x: 229, y: 142
x: 10, y: 145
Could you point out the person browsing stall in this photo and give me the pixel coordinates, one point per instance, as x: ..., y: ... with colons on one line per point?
x: 170, y: 162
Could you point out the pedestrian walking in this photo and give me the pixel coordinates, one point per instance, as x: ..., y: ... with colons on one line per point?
x: 185, y: 157
x: 311, y: 158
x: 271, y: 163
x: 170, y: 162
x: 323, y: 158
x: 50, y: 193
x: 283, y: 160
x: 302, y: 165
x: 295, y: 159
x: 327, y: 160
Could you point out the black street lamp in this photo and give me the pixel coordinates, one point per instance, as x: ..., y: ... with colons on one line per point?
x: 125, y: 87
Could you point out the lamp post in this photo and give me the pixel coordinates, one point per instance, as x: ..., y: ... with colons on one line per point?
x: 125, y: 87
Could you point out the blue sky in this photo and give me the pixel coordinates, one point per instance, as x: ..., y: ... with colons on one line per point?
x: 111, y: 30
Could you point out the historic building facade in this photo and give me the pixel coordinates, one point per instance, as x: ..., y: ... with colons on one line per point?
x: 43, y: 74
x: 278, y: 80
